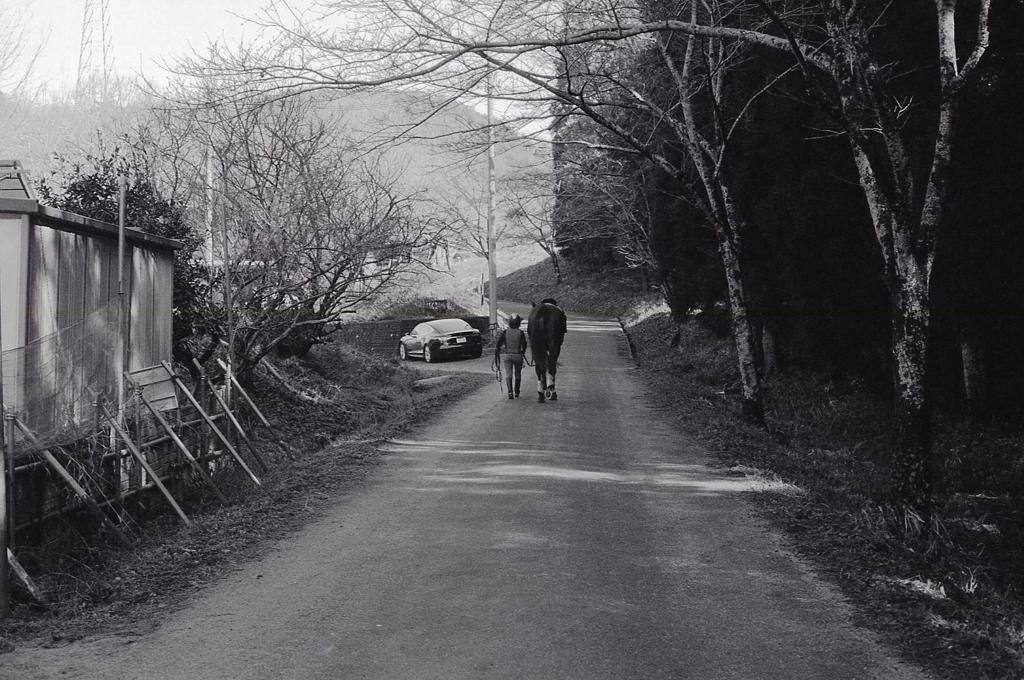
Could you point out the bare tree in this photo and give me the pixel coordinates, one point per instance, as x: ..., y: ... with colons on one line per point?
x: 853, y: 85
x: 540, y: 52
x: 604, y: 197
x: 529, y: 209
x: 593, y: 197
x: 18, y: 52
x: 452, y: 46
x: 306, y: 224
x: 855, y: 88
x: 461, y: 203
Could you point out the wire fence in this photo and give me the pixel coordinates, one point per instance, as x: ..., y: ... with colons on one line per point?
x: 93, y: 470
x: 54, y: 383
x: 93, y: 449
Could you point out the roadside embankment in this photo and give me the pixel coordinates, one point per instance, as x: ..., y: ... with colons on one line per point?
x: 335, y: 409
x: 945, y: 594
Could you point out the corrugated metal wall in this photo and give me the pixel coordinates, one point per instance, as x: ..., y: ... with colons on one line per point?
x: 151, y: 305
x: 73, y: 341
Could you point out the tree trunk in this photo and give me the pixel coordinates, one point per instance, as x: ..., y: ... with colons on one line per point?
x: 743, y: 335
x: 913, y: 461
x: 974, y: 378
x: 557, y: 265
x: 706, y: 156
x: 768, y: 352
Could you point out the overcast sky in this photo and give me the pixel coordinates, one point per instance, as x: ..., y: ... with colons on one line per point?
x: 143, y: 32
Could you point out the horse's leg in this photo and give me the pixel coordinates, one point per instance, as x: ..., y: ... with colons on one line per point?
x: 552, y: 369
x: 540, y: 364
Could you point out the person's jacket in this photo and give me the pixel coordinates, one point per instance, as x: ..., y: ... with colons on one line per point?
x: 513, y: 339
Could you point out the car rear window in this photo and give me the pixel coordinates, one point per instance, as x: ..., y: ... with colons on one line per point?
x: 450, y: 325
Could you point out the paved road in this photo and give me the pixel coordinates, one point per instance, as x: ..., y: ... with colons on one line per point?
x: 577, y: 539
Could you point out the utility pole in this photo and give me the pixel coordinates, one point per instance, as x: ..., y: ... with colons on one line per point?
x: 122, y: 308
x: 492, y: 254
x: 229, y: 301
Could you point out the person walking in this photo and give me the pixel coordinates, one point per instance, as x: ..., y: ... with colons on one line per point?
x: 513, y: 339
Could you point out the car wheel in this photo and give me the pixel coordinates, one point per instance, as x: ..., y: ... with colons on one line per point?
x: 403, y: 353
x: 428, y: 354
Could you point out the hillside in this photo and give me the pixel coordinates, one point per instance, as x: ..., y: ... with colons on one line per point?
x: 436, y: 156
x: 611, y: 292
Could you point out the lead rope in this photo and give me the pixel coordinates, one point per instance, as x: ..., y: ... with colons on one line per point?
x: 496, y: 365
x: 496, y: 368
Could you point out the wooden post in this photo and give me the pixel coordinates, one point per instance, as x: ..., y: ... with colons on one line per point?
x: 141, y: 460
x: 231, y: 417
x: 259, y: 414
x: 5, y: 581
x: 7, y: 430
x: 209, y: 422
x: 122, y: 321
x: 23, y: 576
x: 75, y: 486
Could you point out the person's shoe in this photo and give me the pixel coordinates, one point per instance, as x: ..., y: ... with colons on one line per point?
x: 511, y: 396
x: 517, y: 394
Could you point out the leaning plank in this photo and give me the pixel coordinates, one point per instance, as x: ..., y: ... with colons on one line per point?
x: 23, y: 576
x: 141, y: 460
x: 209, y: 423
x: 157, y: 387
x: 73, y: 483
x: 231, y: 417
x: 259, y: 414
x: 184, y: 449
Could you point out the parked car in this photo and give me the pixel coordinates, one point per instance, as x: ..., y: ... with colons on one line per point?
x: 436, y: 340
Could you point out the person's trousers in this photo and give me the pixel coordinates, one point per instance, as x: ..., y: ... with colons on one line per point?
x: 513, y: 366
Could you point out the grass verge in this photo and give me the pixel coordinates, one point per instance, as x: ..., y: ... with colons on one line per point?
x: 947, y: 595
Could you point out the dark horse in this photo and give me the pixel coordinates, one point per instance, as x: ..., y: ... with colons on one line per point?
x: 546, y: 329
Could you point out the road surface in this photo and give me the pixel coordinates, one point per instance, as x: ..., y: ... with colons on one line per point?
x: 583, y: 538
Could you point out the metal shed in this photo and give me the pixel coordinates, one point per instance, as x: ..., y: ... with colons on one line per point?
x: 68, y: 330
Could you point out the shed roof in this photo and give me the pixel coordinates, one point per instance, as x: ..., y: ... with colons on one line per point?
x: 17, y: 196
x: 14, y: 182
